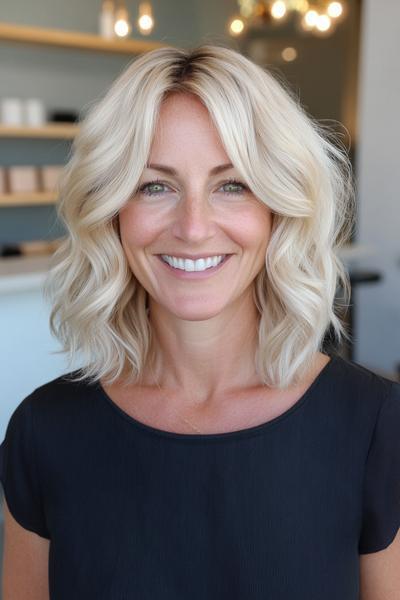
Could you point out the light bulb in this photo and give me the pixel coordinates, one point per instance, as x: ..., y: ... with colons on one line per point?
x: 278, y: 9
x: 311, y: 18
x: 289, y: 54
x: 122, y: 26
x: 323, y: 23
x: 335, y: 9
x: 236, y: 26
x: 145, y: 21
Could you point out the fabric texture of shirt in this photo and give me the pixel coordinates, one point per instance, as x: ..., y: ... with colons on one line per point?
x: 281, y: 510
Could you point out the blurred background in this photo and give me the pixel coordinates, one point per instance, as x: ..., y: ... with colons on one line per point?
x: 56, y: 58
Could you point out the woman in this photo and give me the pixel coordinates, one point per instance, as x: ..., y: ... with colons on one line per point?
x: 207, y: 448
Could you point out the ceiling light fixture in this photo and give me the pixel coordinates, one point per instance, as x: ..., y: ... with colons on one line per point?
x: 318, y: 17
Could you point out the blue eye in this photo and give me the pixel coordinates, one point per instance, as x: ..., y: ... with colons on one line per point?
x: 157, y: 182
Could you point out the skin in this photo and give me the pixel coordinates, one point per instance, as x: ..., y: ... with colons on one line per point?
x: 204, y: 323
x: 205, y: 330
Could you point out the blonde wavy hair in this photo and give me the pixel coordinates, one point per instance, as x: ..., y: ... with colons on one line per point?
x: 291, y: 162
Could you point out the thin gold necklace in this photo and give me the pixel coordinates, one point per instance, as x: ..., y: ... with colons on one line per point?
x: 179, y: 415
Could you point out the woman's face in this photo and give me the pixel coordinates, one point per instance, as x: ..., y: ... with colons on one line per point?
x: 193, y: 210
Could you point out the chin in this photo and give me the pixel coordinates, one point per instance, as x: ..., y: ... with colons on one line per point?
x: 195, y: 313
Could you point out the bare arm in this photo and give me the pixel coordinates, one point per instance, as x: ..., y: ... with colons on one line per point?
x: 25, y: 562
x: 380, y: 573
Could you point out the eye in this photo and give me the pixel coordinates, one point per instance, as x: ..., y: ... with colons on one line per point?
x: 232, y: 186
x: 153, y: 188
x: 157, y: 183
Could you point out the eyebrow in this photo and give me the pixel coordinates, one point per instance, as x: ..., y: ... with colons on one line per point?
x: 171, y: 171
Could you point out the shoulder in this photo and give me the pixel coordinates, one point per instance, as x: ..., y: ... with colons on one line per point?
x: 58, y: 418
x: 57, y: 399
x: 362, y: 384
x: 370, y: 401
x: 354, y: 396
x: 63, y: 385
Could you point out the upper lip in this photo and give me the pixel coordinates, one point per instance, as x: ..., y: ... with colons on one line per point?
x: 195, y: 256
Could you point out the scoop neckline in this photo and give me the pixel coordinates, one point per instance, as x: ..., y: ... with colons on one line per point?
x: 227, y: 435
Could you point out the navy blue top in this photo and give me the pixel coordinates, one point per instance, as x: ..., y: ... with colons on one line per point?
x: 280, y: 510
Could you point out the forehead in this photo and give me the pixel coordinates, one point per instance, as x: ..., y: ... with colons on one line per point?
x: 180, y: 104
x: 185, y: 128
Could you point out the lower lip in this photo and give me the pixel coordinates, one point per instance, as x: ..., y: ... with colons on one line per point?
x: 195, y: 274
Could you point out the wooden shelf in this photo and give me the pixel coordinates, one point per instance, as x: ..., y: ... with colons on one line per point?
x: 72, y: 39
x: 28, y: 198
x: 23, y: 34
x: 50, y: 130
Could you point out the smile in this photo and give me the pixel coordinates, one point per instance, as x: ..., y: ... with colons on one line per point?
x: 186, y: 264
x: 189, y: 269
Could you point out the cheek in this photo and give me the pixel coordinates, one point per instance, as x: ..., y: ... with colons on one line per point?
x: 136, y: 228
x: 253, y: 229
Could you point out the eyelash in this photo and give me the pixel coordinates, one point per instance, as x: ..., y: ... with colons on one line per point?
x: 143, y: 188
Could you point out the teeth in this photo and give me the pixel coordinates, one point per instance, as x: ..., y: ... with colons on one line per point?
x: 186, y: 264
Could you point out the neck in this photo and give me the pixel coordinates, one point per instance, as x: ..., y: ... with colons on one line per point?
x: 202, y: 360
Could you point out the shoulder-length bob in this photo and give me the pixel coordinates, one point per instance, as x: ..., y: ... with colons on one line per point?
x: 289, y: 161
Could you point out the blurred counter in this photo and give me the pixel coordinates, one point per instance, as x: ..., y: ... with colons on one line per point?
x: 23, y: 273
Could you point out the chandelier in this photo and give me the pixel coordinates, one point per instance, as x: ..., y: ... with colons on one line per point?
x: 317, y: 17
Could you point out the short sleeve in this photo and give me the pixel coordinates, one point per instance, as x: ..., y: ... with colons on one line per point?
x: 381, y: 492
x: 18, y: 471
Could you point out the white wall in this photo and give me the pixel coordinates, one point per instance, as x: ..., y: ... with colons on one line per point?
x: 377, y: 327
x: 25, y: 349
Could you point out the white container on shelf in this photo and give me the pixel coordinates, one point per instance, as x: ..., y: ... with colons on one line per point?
x: 11, y: 111
x: 34, y: 112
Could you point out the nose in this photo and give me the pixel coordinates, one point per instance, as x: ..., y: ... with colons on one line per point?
x: 194, y: 218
